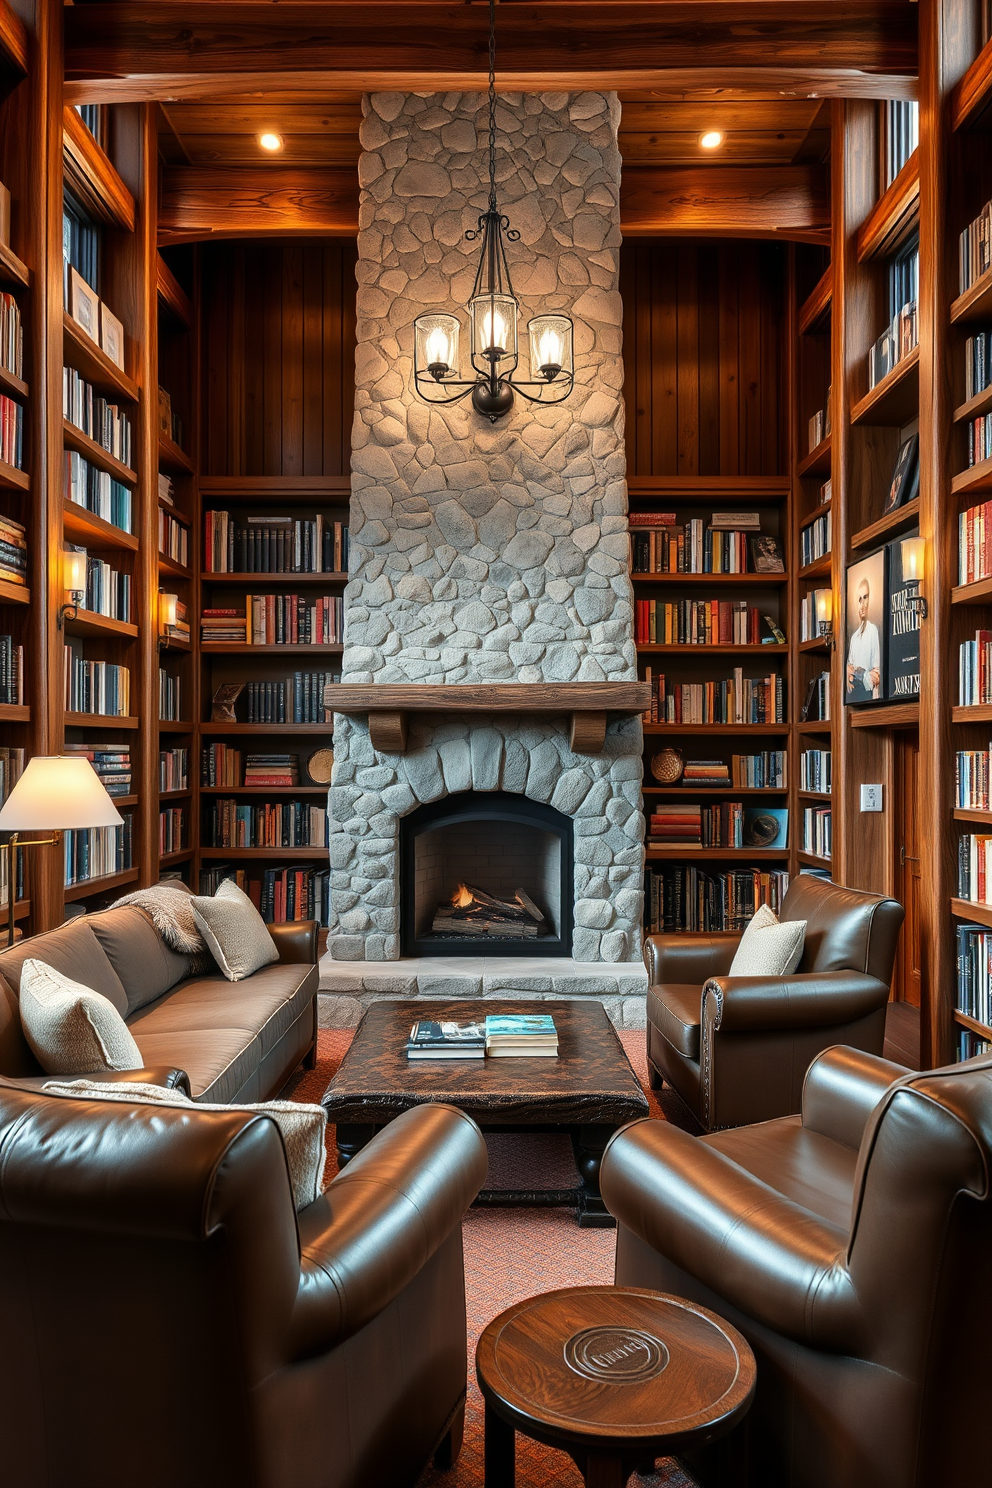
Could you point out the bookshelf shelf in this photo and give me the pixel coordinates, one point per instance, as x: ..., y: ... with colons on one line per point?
x: 15, y: 713
x: 234, y: 648
x: 11, y: 593
x: 980, y: 402
x: 172, y: 295
x: 89, y: 623
x: 170, y: 566
x: 91, y: 531
x: 88, y: 886
x: 972, y: 1024
x: 221, y: 729
x: 822, y: 645
x: 75, y: 439
x: 174, y: 643
x: 99, y: 721
x: 260, y: 853
x: 173, y: 458
x: 174, y: 511
x: 244, y: 490
x: 812, y: 860
x: 894, y: 715
x: 972, y: 95
x: 817, y: 462
x: 894, y: 216
x: 262, y: 790
x: 183, y: 855
x: 814, y: 726
x: 12, y: 270
x: 977, y: 479
x: 655, y: 648
x: 816, y: 570
x: 176, y: 795
x: 93, y: 363
x: 963, y: 909
x: 125, y: 800
x: 896, y: 399
x: 704, y: 489
x: 175, y: 726
x: 12, y: 385
x: 717, y: 854
x: 814, y: 313
x: 975, y: 303
x: 252, y: 580
x: 818, y: 511
x: 903, y: 516
x: 977, y: 818
x: 704, y: 792
x: 728, y: 730
x: 980, y: 592
x: 805, y: 795
x: 14, y: 479
x: 750, y: 580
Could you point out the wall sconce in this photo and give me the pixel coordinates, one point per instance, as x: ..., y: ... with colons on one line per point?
x: 913, y: 551
x: 74, y: 584
x: 823, y: 600
x: 168, y: 614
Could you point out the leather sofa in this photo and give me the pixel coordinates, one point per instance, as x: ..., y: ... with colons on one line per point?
x: 235, y: 1041
x: 167, y: 1316
x: 736, y: 1049
x: 850, y: 1245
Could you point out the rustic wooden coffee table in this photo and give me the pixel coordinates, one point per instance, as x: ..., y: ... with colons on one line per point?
x: 589, y: 1090
x: 615, y: 1376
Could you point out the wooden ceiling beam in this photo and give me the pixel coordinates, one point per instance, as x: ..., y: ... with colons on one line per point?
x: 129, y: 50
x: 204, y: 202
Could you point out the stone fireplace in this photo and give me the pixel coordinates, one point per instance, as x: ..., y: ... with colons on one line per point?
x: 487, y: 554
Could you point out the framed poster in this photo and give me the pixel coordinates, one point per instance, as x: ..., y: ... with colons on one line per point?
x: 904, y: 485
x: 902, y: 650
x: 112, y: 336
x: 865, y: 631
x: 84, y: 305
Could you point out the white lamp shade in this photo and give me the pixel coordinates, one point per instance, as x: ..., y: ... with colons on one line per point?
x: 550, y: 346
x: 56, y: 793
x: 437, y: 345
x: 494, y: 328
x: 824, y: 600
x: 74, y: 572
x: 168, y: 610
x: 913, y: 556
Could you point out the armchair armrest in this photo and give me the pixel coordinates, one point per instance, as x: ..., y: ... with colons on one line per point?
x: 381, y: 1220
x: 812, y: 999
x: 842, y: 1088
x: 764, y: 1254
x: 296, y: 941
x: 156, y: 1074
x: 688, y: 958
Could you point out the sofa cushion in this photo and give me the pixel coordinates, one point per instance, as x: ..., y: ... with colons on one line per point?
x: 768, y: 948
x: 72, y: 949
x: 72, y: 1029
x: 674, y: 1009
x: 218, y: 1061
x: 146, y: 966
x: 234, y: 931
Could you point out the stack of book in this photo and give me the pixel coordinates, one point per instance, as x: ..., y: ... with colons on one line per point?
x: 430, y: 1039
x: 179, y: 630
x: 521, y: 1036
x: 271, y: 769
x: 705, y: 772
x: 13, y: 552
x: 165, y: 488
x: 11, y: 671
x: 676, y: 826
x: 223, y: 625
x: 817, y: 428
x: 112, y: 765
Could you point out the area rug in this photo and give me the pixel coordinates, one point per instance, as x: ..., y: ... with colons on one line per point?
x: 510, y: 1254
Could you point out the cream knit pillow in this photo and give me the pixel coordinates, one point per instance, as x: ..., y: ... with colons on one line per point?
x: 768, y: 947
x: 302, y: 1127
x: 72, y: 1030
x: 235, y: 931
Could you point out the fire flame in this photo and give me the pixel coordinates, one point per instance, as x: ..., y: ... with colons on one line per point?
x: 462, y: 897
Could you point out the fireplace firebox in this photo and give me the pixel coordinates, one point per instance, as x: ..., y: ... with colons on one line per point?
x: 486, y: 873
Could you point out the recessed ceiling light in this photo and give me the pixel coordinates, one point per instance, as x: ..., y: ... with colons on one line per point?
x: 711, y: 140
x: 270, y: 141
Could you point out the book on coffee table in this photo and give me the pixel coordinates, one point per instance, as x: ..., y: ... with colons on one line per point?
x: 447, y: 1040
x: 521, y: 1036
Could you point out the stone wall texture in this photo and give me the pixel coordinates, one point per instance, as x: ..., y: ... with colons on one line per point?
x: 484, y: 553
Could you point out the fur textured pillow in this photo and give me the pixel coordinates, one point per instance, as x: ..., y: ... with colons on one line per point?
x: 235, y: 931
x: 769, y: 947
x: 302, y: 1127
x: 72, y: 1030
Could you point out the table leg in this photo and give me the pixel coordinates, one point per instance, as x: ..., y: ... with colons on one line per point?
x: 501, y: 1450
x: 351, y: 1139
x: 588, y: 1144
x: 606, y: 1470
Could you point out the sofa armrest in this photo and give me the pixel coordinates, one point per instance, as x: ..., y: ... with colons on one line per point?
x: 688, y: 958
x: 381, y: 1220
x: 842, y: 1088
x: 812, y: 999
x: 764, y: 1254
x: 296, y: 941
x: 156, y: 1074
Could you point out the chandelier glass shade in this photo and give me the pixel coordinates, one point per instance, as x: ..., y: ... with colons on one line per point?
x: 493, y: 312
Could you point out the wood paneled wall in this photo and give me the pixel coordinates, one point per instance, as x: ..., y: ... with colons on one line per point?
x: 703, y: 328
x: 278, y: 357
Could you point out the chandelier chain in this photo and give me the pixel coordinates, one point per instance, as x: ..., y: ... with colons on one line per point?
x: 492, y: 105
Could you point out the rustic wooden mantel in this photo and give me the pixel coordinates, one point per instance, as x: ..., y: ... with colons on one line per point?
x: 389, y: 705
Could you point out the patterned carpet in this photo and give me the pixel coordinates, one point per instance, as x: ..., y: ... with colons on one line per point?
x: 511, y: 1254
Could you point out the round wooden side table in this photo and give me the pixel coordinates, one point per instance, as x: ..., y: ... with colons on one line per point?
x: 615, y: 1376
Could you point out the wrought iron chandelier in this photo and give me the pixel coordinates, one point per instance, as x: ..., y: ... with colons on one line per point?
x: 492, y: 311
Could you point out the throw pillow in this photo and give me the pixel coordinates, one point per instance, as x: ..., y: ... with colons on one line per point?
x: 72, y: 1030
x: 769, y: 947
x: 303, y: 1127
x: 235, y: 931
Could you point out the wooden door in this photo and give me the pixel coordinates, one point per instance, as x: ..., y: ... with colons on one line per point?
x: 906, y: 983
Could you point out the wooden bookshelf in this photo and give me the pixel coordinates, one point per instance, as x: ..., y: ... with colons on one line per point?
x: 886, y: 526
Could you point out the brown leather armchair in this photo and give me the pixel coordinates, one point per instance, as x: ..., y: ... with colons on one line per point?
x: 736, y: 1049
x: 167, y: 1315
x: 850, y: 1246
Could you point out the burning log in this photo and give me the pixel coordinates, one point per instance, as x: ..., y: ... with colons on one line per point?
x: 528, y: 904
x: 474, y: 912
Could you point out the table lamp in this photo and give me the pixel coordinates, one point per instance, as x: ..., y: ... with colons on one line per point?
x: 56, y: 793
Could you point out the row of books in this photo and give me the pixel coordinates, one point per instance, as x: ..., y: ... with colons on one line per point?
x: 975, y: 867
x: 685, y: 899
x: 895, y: 343
x: 220, y: 764
x: 170, y: 691
x: 274, y: 544
x: 94, y: 852
x: 816, y: 703
x: 12, y: 763
x: 172, y: 830
x: 818, y: 427
x: 700, y: 549
x: 11, y: 335
x: 766, y: 770
x: 297, y: 701
x: 266, y: 824
x: 113, y: 765
x: 11, y: 432
x: 173, y: 769
x: 975, y: 670
x: 974, y: 967
x: 973, y: 779
x: 818, y: 830
x: 95, y: 686
x: 701, y: 622
x: 173, y: 538
x: 975, y: 543
x: 977, y: 363
x: 730, y: 824
x: 979, y: 438
x: 97, y: 492
x: 108, y: 592
x: 737, y: 699
x: 815, y: 771
x: 975, y: 249
x: 11, y: 671
x: 13, y: 551
x: 281, y: 895
x: 814, y: 540
x: 970, y: 1045
x: 102, y: 421
x: 80, y: 246
x: 277, y: 620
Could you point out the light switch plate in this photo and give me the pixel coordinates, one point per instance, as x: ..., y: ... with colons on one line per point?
x: 871, y: 798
